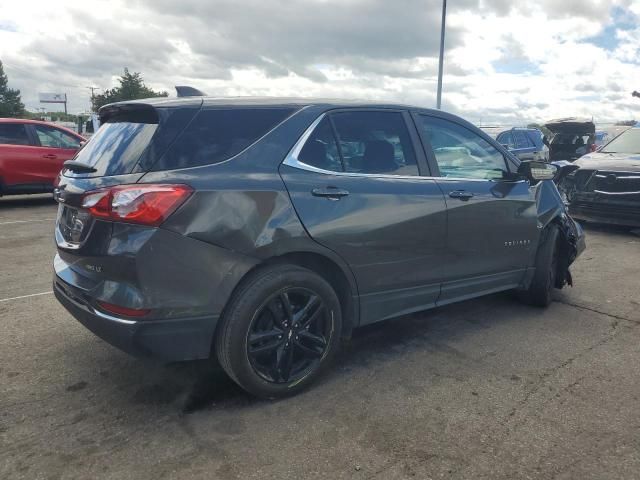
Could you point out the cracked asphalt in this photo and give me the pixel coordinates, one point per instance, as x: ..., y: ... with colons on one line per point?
x: 486, y: 389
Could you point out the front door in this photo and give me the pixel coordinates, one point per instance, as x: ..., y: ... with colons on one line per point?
x: 54, y: 147
x: 355, y: 184
x: 491, y: 214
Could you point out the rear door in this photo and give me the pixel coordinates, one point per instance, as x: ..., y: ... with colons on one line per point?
x: 524, y: 146
x: 517, y: 143
x: 354, y: 181
x: 491, y: 215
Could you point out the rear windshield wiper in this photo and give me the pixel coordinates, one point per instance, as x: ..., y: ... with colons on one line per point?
x: 78, y: 167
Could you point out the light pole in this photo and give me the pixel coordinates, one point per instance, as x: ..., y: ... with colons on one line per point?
x: 441, y: 61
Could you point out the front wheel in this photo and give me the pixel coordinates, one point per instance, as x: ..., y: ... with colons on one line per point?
x: 280, y: 330
x: 544, y: 279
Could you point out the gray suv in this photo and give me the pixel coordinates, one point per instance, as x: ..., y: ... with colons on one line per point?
x: 262, y: 231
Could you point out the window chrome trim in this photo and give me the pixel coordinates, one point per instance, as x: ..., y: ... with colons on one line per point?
x: 291, y: 160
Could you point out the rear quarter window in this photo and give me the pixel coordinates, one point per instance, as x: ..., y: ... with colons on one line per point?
x: 218, y: 134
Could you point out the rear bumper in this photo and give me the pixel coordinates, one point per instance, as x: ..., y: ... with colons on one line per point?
x: 166, y: 339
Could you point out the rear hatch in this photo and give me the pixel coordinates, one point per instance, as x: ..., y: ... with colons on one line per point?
x: 131, y: 138
x: 108, y: 214
x: 572, y: 138
x: 112, y: 252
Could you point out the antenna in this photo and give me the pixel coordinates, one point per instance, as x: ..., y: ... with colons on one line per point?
x: 186, y: 91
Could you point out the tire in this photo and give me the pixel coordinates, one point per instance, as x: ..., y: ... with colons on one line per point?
x: 544, y: 279
x: 258, y: 309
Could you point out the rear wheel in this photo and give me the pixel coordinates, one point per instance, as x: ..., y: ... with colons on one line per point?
x: 544, y: 279
x: 280, y: 331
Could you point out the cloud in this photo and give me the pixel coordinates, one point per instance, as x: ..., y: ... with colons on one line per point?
x: 506, y: 61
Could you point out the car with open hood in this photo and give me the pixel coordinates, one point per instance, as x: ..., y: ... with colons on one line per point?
x: 606, y: 187
x: 263, y: 231
x: 571, y: 138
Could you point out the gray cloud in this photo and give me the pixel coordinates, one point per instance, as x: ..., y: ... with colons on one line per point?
x: 388, y: 49
x: 296, y: 36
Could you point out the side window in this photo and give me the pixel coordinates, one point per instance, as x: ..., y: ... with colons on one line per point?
x: 13, y: 134
x: 215, y: 135
x: 52, y: 137
x: 460, y: 152
x: 321, y: 149
x: 375, y: 142
x: 521, y: 140
x: 506, y: 138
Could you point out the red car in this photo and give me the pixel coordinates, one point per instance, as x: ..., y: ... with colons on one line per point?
x: 32, y: 154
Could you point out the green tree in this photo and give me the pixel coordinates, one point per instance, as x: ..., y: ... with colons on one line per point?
x: 131, y: 87
x: 10, y: 102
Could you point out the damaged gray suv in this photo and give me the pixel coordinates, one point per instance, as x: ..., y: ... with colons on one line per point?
x: 262, y: 231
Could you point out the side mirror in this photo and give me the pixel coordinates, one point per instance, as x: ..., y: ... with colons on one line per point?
x: 537, y: 171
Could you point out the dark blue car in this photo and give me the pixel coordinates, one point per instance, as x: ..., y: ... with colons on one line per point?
x: 525, y: 143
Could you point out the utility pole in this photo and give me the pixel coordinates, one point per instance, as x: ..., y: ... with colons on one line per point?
x: 92, y: 94
x: 441, y: 60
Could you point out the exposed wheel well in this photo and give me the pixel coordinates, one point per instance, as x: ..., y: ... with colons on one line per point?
x: 333, y: 274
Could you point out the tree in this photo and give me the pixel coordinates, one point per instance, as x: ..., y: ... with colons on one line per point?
x: 131, y: 87
x: 10, y: 102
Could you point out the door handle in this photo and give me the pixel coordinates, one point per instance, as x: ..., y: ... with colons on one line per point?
x: 461, y: 194
x: 332, y: 193
x: 50, y: 156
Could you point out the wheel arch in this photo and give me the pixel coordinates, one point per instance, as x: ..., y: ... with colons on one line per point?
x: 338, y: 276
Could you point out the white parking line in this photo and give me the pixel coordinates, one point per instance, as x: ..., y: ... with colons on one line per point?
x: 25, y: 296
x: 28, y: 221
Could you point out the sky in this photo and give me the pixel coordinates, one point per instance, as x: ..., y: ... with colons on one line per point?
x: 506, y: 62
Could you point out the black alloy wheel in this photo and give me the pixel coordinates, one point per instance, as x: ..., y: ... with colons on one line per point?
x: 280, y: 331
x: 289, y: 335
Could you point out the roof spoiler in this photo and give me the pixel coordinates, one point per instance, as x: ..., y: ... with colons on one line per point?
x: 186, y: 91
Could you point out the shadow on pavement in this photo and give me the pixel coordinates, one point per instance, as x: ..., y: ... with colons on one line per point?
x: 21, y: 201
x: 610, y: 229
x: 211, y: 388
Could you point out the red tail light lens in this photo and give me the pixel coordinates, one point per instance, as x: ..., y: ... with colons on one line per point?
x: 145, y: 204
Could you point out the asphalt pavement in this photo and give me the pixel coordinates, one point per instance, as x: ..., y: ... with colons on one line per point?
x: 485, y: 389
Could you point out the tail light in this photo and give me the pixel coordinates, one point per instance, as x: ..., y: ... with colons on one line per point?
x: 145, y: 204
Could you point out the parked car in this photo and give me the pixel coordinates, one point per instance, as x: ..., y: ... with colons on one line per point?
x: 525, y: 143
x: 572, y: 138
x: 263, y: 231
x: 32, y: 153
x: 606, y: 187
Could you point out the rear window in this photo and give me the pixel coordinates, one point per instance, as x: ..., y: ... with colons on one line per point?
x: 13, y: 134
x: 116, y: 147
x: 216, y: 135
x: 132, y: 138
